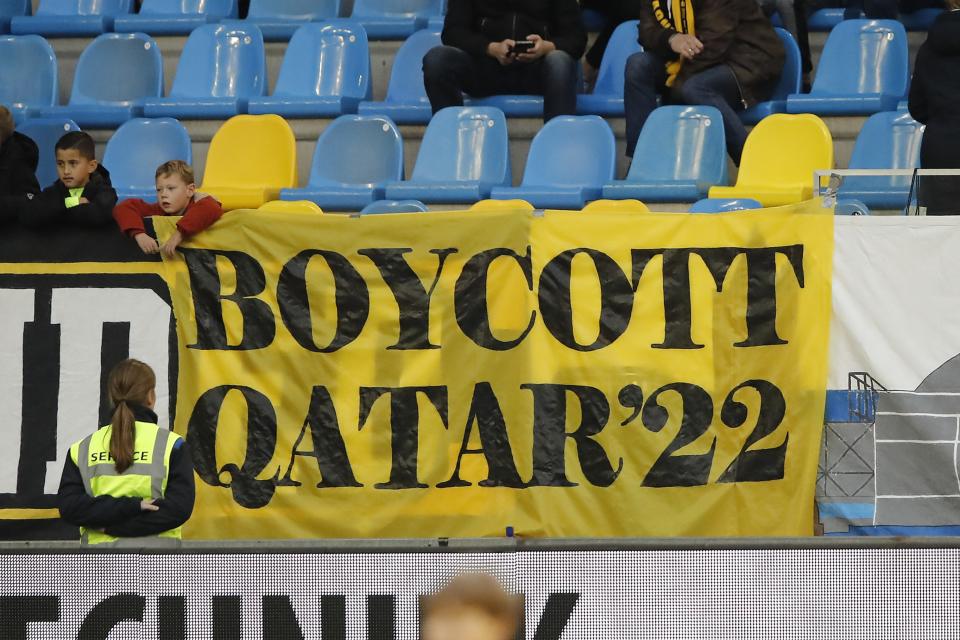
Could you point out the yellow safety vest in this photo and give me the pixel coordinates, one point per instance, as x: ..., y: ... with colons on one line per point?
x: 146, y: 478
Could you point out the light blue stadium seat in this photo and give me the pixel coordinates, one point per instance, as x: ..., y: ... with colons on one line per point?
x: 395, y: 19
x: 71, y: 17
x: 570, y: 160
x: 45, y: 132
x: 221, y: 68
x: 28, y: 74
x: 788, y: 84
x: 11, y: 8
x: 114, y: 75
x: 325, y: 73
x: 889, y: 140
x: 406, y: 101
x: 436, y: 23
x: 825, y: 19
x: 465, y: 152
x: 355, y: 157
x: 851, y: 207
x: 394, y: 206
x: 680, y: 154
x: 864, y: 69
x: 722, y: 205
x: 137, y: 148
x: 279, y: 19
x: 607, y: 96
x: 175, y: 17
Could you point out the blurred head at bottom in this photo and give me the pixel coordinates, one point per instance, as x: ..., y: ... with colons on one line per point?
x: 472, y: 606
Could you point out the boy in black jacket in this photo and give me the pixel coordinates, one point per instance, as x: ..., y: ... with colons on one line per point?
x: 482, y: 57
x: 18, y: 166
x: 83, y: 194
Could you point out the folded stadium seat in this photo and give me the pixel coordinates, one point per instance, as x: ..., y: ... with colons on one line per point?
x: 394, y: 206
x: 395, y: 19
x: 406, y: 101
x: 680, y: 154
x: 71, y: 17
x: 325, y: 73
x: 221, y: 68
x: 889, y: 140
x: 45, y: 132
x: 825, y: 19
x: 851, y: 207
x: 864, y: 69
x: 28, y: 75
x: 465, y: 152
x: 11, y: 8
x: 921, y: 19
x: 137, y: 148
x: 493, y: 205
x: 779, y: 160
x: 291, y: 206
x: 251, y: 159
x: 788, y: 84
x: 175, y: 17
x: 279, y: 19
x: 616, y: 206
x: 722, y: 205
x: 607, y: 96
x: 114, y: 75
x: 436, y: 23
x: 570, y: 160
x: 355, y: 157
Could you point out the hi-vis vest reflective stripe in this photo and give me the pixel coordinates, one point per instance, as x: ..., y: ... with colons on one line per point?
x: 146, y: 478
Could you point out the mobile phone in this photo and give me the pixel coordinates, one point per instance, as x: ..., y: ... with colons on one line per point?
x: 521, y: 46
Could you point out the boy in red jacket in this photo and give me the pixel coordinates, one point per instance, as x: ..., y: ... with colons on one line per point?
x: 176, y: 196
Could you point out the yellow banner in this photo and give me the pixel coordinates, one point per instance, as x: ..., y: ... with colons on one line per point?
x: 456, y: 374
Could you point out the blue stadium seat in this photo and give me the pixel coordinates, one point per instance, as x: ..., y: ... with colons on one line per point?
x: 355, y: 157
x: 28, y: 74
x: 788, y: 84
x: 175, y: 17
x: 395, y: 19
x: 11, y: 8
x: 825, y: 19
x: 570, y: 159
x: 607, y: 96
x: 680, y: 154
x: 465, y: 152
x: 71, y: 17
x: 722, y: 205
x: 394, y: 206
x: 45, y: 132
x: 137, y: 148
x: 851, y: 207
x: 864, y: 69
x: 921, y: 19
x: 114, y: 75
x: 221, y: 68
x: 406, y: 101
x: 325, y: 73
x: 279, y: 19
x: 889, y: 140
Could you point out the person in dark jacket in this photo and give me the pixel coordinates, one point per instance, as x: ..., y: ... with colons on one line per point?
x: 480, y: 55
x: 935, y: 101
x: 18, y: 167
x: 614, y: 12
x: 720, y: 53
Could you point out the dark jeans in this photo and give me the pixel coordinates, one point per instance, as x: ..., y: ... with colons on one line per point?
x: 449, y: 72
x: 645, y: 78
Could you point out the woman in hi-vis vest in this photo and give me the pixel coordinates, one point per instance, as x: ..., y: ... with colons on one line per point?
x: 131, y: 482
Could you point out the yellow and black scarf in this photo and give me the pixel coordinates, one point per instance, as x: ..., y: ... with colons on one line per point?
x: 679, y: 18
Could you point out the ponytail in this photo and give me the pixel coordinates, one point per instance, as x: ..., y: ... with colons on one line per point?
x: 130, y: 382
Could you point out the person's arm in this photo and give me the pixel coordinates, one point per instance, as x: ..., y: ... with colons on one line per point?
x: 917, y: 103
x: 655, y: 36
x: 569, y: 34
x: 45, y: 210
x: 716, y: 27
x: 82, y: 510
x: 200, y: 216
x: 460, y: 29
x: 175, y: 508
x: 98, y: 210
x: 129, y: 215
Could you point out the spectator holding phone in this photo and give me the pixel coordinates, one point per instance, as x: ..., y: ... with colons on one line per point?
x: 491, y: 47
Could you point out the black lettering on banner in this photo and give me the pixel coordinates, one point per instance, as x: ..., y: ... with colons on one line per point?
x: 616, y: 299
x: 494, y: 443
x: 762, y: 292
x: 247, y: 490
x: 333, y: 617
x: 690, y: 470
x: 631, y: 397
x: 328, y: 446
x: 259, y: 325
x: 17, y: 612
x: 280, y: 620
x: 227, y: 623
x: 556, y: 615
x: 110, y: 612
x: 381, y: 617
x: 549, y: 436
x: 404, y: 428
x: 470, y: 298
x: 171, y: 618
x: 413, y: 300
x: 352, y: 299
x: 757, y: 465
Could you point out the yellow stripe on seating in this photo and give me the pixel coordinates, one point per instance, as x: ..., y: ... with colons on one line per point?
x: 80, y: 268
x: 29, y: 514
